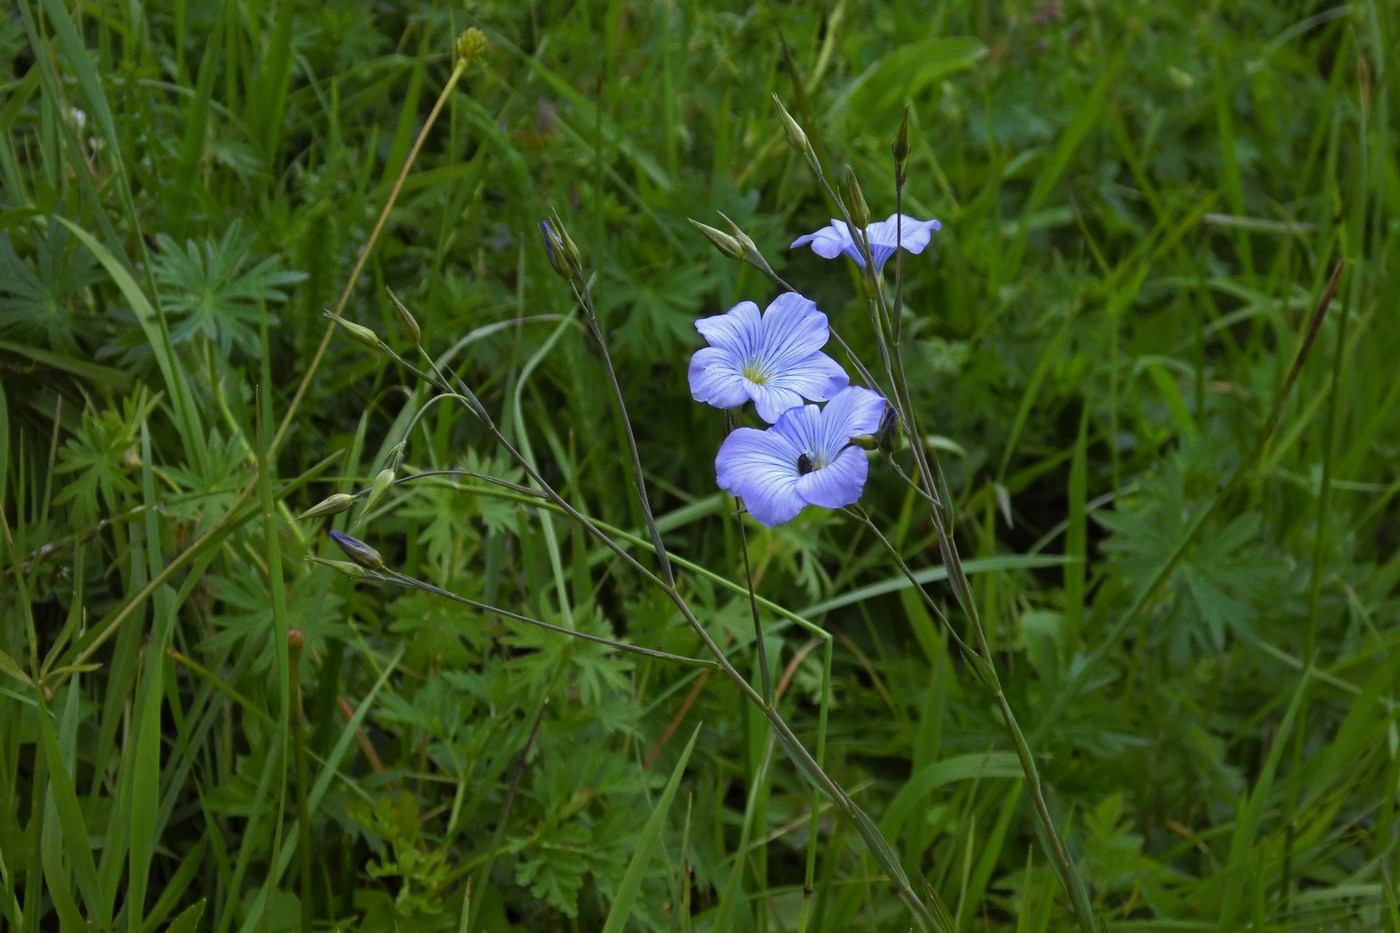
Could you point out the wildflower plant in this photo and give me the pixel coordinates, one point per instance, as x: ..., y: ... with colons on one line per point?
x: 819, y: 430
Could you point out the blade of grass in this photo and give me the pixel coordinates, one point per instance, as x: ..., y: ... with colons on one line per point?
x: 638, y: 864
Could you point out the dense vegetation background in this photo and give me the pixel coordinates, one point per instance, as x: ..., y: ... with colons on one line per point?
x: 1142, y: 203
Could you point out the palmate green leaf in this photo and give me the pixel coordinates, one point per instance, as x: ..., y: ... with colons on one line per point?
x: 242, y: 621
x: 1218, y: 586
x: 598, y: 673
x: 100, y: 461
x: 651, y: 316
x: 206, y: 287
x: 42, y: 299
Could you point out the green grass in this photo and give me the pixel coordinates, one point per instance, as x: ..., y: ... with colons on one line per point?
x: 1182, y: 550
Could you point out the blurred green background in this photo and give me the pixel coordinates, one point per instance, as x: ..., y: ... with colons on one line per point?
x: 1141, y: 205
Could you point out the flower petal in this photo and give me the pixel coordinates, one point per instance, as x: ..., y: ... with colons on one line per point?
x: 760, y: 467
x: 837, y: 484
x: 817, y: 378
x: 793, y: 329
x: 828, y: 242
x: 852, y: 412
x: 737, y: 330
x: 715, y: 378
x: 772, y: 400
x: 899, y: 230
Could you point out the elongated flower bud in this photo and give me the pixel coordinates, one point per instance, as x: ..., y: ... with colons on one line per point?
x: 563, y: 254
x: 723, y: 242
x: 331, y: 505
x: 342, y: 566
x: 407, y: 324
x: 360, y: 332
x: 900, y: 150
x: 855, y: 201
x: 745, y: 241
x: 381, y: 485
x: 361, y: 553
x: 795, y: 137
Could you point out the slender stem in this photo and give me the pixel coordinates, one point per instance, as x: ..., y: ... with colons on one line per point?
x: 408, y: 582
x: 295, y: 643
x: 893, y: 364
x: 586, y: 302
x: 458, y: 70
x: 765, y: 677
x: 1064, y: 864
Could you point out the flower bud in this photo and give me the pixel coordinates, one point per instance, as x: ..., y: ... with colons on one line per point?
x: 396, y: 455
x: 331, y: 505
x: 723, y: 242
x: 888, y: 432
x: 795, y: 137
x: 381, y: 485
x: 361, y: 553
x: 855, y: 201
x: 407, y: 324
x: 746, y: 242
x: 900, y: 150
x: 361, y: 333
x: 342, y: 566
x: 563, y: 254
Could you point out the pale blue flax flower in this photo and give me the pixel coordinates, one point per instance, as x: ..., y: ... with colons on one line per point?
x: 773, y: 358
x: 806, y: 458
x: 913, y: 235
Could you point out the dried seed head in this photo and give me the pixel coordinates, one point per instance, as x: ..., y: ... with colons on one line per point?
x: 471, y: 45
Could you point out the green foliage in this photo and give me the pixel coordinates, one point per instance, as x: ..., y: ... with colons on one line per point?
x: 1141, y: 204
x: 212, y: 296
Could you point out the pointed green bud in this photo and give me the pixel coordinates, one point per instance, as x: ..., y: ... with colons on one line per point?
x: 331, y: 505
x: 377, y: 490
x: 361, y: 333
x: 855, y: 201
x: 795, y: 137
x: 723, y: 242
x: 888, y: 432
x: 900, y: 149
x: 746, y: 242
x: 342, y: 566
x: 407, y: 324
x: 563, y: 254
x: 554, y: 249
x: 396, y: 456
x: 361, y: 553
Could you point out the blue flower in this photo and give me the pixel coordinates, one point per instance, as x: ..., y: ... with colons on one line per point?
x: 774, y: 358
x: 805, y: 459
x: 829, y: 242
